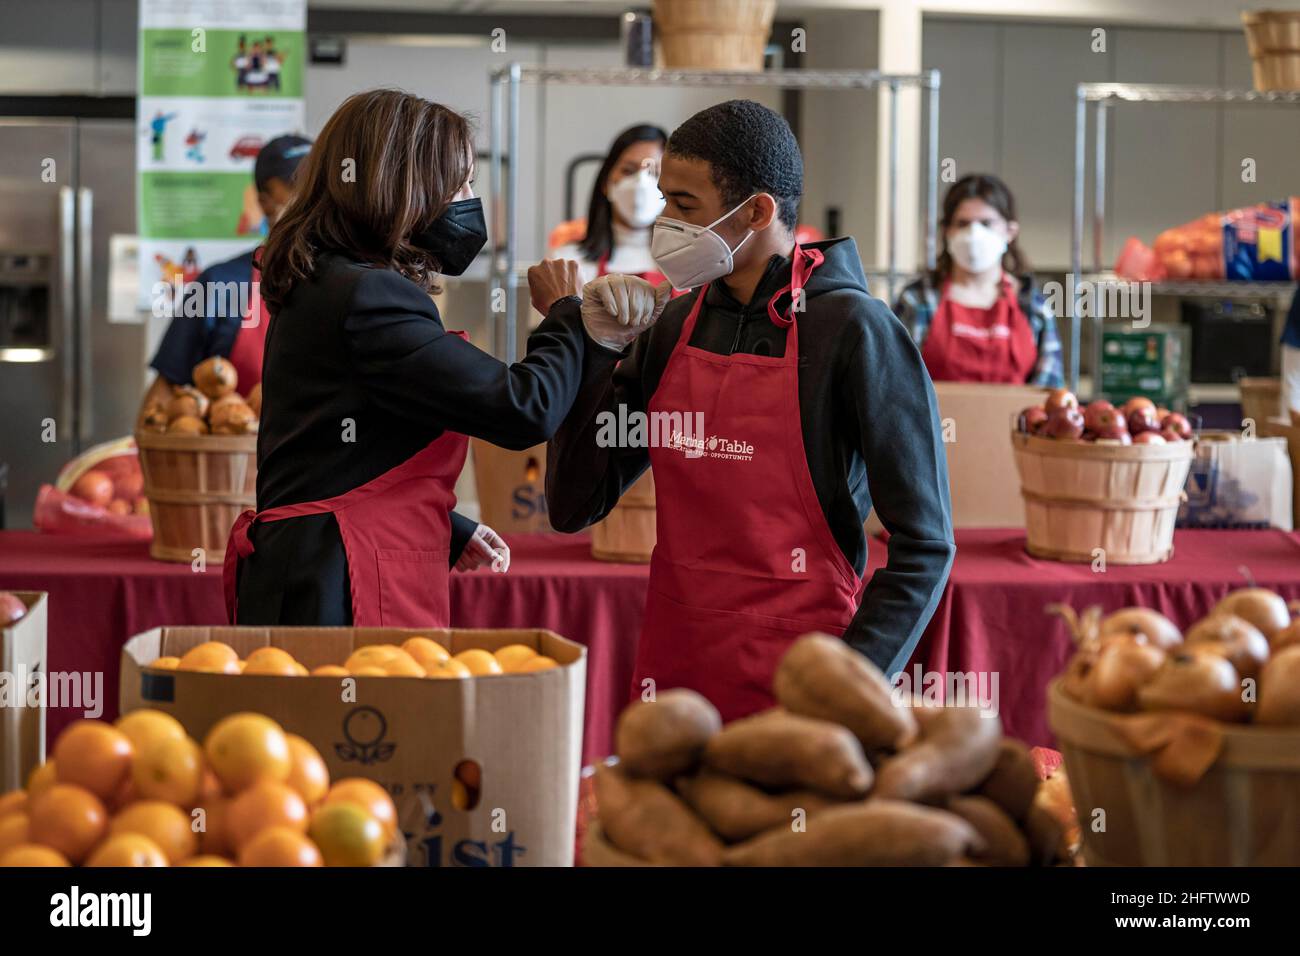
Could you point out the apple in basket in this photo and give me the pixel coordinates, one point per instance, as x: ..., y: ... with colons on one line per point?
x: 1143, y: 419
x: 1060, y: 398
x: 1065, y: 422
x: 11, y: 609
x: 1176, y: 423
x: 1032, y: 419
x: 1104, y: 420
x: 1148, y: 438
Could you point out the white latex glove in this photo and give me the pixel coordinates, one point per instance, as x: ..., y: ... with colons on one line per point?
x: 617, y: 308
x: 485, y: 546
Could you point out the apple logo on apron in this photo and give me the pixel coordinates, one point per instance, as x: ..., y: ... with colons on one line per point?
x: 364, y: 729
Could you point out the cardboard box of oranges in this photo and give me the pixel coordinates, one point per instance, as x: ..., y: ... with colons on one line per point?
x: 476, y: 734
x: 22, y: 658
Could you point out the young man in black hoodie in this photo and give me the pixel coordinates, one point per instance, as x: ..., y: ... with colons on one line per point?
x: 815, y: 407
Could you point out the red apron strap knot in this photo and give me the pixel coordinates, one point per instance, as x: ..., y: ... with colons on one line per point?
x: 238, y: 545
x: 802, y: 263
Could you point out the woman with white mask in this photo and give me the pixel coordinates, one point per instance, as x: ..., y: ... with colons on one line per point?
x: 979, y: 316
x: 625, y: 201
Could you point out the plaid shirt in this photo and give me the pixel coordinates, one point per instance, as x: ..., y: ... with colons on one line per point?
x: 918, y: 303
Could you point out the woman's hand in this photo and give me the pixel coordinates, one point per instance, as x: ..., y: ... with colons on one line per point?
x: 485, y: 546
x: 551, y: 280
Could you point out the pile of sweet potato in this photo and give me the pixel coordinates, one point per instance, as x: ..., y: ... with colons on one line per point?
x: 838, y: 774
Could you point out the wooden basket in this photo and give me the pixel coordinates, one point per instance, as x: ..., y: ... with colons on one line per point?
x: 627, y: 533
x: 1273, y: 39
x: 1245, y: 811
x: 1261, y: 399
x: 1081, y: 496
x: 197, y: 485
x: 713, y: 34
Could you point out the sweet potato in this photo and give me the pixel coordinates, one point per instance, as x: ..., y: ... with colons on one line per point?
x: 872, y: 833
x: 778, y: 749
x: 821, y: 676
x: 665, y: 737
x: 957, y: 750
x: 647, y: 820
x: 1013, y: 781
x: 1005, y: 844
x: 736, y: 811
x: 1047, y: 843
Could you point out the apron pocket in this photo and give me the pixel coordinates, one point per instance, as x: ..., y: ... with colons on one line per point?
x: 413, y: 588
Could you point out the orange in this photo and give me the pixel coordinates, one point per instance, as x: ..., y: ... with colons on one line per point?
x: 426, y: 651
x: 211, y: 824
x: 244, y: 748
x: 480, y: 662
x: 368, y: 795
x: 125, y: 795
x: 538, y: 663
x: 94, y: 755
x: 41, y: 779
x: 128, y: 849
x: 241, y: 666
x: 280, y: 846
x: 166, y: 824
x: 512, y: 655
x: 277, y: 654
x: 330, y: 670
x: 13, y: 830
x: 264, y: 804
x: 13, y: 801
x: 404, y: 666
x: 449, y: 669
x: 347, y: 835
x: 371, y: 655
x: 167, y: 663
x: 211, y: 657
x: 307, y: 772
x: 369, y: 672
x: 30, y: 854
x: 69, y: 819
x: 170, y: 770
x: 207, y: 859
x: 271, y: 665
x: 299, y: 670
x: 143, y: 727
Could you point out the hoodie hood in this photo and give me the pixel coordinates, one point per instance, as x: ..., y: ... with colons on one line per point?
x: 841, y: 270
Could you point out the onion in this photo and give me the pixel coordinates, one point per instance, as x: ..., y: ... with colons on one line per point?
x: 1260, y: 606
x: 1233, y: 638
x: 1144, y: 623
x: 1287, y: 637
x: 1197, y: 682
x: 1279, y: 690
x: 1122, y: 667
x: 1075, y: 679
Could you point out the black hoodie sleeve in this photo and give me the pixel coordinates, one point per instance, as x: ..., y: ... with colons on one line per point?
x: 885, y: 384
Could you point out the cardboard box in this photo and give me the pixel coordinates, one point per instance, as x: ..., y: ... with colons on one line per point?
x: 22, y: 658
x: 1290, y: 430
x: 1238, y: 483
x: 511, y: 487
x: 407, y: 733
x: 977, y: 419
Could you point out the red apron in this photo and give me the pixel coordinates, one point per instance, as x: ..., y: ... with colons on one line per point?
x: 396, y: 531
x: 965, y: 344
x: 745, y: 561
x: 250, y: 339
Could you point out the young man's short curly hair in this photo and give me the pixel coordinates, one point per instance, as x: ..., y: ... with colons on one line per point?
x: 750, y: 149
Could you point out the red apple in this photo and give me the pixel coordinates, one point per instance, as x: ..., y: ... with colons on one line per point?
x: 1137, y: 401
x: 1169, y: 435
x: 1031, y: 419
x: 1096, y: 413
x: 1142, y: 419
x: 1060, y: 398
x: 1065, y: 422
x: 95, y: 487
x: 1176, y: 423
x: 11, y: 609
x: 1148, y: 438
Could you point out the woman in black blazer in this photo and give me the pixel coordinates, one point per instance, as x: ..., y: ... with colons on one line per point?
x: 366, y: 398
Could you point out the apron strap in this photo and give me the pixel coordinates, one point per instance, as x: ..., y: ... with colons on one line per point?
x: 802, y: 263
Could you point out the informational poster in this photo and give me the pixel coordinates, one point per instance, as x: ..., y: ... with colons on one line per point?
x: 218, y: 80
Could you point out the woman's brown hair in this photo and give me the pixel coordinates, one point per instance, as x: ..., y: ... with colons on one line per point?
x: 994, y: 192
x: 384, y: 167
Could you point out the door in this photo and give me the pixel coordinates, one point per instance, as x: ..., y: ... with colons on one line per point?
x: 37, y: 307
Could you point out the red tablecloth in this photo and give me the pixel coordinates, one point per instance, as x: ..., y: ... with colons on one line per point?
x: 104, y: 592
x: 991, y: 616
x: 989, y: 620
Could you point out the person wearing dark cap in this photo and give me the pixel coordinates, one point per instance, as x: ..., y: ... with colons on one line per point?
x: 218, y: 320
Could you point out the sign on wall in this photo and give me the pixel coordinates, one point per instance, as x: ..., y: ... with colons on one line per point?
x: 218, y: 79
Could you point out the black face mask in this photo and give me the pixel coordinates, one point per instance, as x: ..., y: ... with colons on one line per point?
x: 455, y: 237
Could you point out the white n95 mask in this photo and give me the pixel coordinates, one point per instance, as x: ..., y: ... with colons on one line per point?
x: 637, y: 198
x: 690, y: 255
x: 977, y: 248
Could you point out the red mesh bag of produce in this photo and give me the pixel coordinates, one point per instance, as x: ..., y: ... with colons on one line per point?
x: 98, y: 494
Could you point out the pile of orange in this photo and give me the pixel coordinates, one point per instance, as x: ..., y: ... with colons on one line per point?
x: 141, y: 792
x: 416, y: 657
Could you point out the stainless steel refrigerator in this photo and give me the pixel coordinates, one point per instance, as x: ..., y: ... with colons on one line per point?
x: 66, y: 373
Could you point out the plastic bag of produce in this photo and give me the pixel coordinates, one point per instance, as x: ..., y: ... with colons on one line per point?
x: 1234, y: 483
x: 1253, y: 243
x: 99, y: 493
